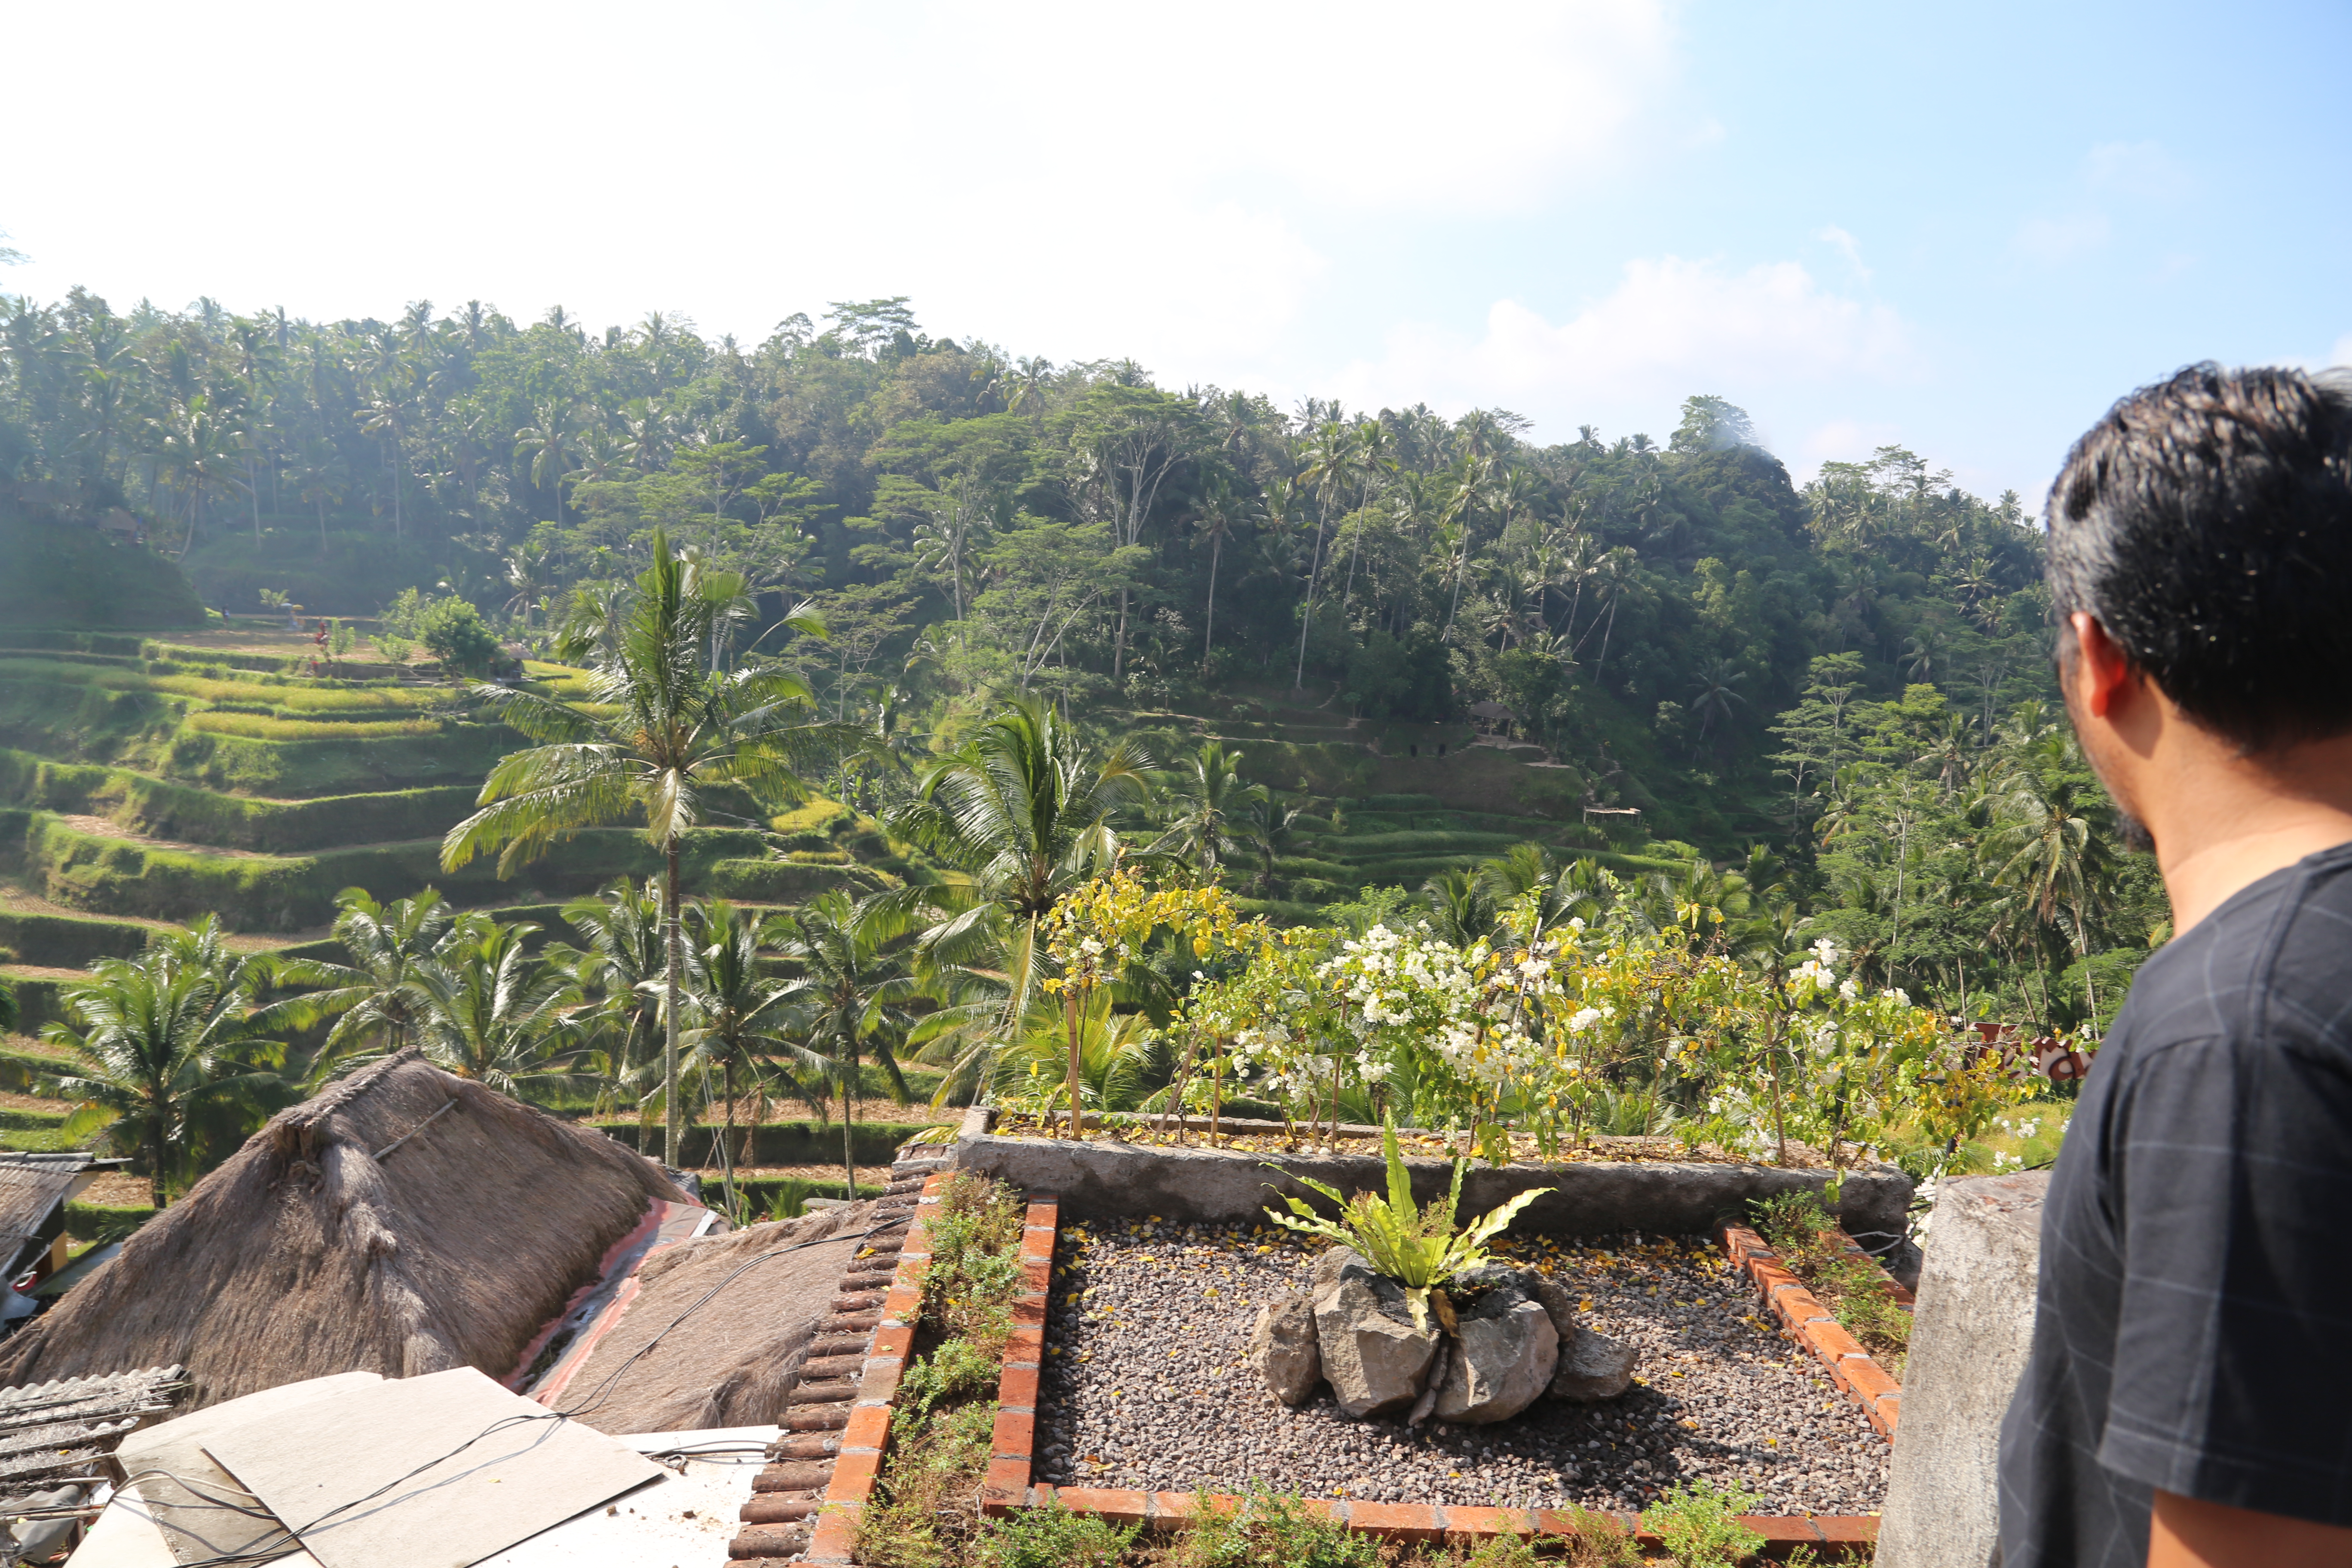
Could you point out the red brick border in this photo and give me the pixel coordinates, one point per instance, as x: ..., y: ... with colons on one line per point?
x: 1810, y: 1324
x: 1008, y: 1486
x: 859, y: 1463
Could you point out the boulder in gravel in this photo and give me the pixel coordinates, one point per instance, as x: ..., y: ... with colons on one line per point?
x: 1593, y: 1367
x: 1373, y: 1356
x: 1558, y: 1305
x: 1283, y: 1348
x: 1506, y: 1352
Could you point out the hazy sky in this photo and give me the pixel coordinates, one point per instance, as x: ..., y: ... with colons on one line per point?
x: 1965, y: 228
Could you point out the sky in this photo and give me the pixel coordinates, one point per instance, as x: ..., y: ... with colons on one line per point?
x: 1963, y: 229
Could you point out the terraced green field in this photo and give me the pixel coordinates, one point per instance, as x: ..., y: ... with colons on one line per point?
x: 146, y: 782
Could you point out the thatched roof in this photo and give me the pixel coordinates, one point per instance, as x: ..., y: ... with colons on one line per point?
x: 732, y: 1360
x: 406, y: 1221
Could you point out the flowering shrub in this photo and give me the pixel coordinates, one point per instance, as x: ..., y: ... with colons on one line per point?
x: 1534, y: 1031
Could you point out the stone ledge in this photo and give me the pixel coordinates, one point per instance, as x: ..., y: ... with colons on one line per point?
x: 1217, y: 1186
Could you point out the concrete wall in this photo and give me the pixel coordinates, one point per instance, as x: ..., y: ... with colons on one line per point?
x: 1218, y: 1186
x: 1970, y: 1335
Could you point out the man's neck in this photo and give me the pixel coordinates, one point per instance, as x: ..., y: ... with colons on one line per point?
x: 2233, y: 821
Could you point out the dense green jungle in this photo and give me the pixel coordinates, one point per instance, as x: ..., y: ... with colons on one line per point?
x: 1362, y: 663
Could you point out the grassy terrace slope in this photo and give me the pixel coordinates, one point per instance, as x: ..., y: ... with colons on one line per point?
x: 147, y: 780
x: 1387, y: 803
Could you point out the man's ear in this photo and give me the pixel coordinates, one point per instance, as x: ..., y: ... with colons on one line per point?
x: 2102, y: 671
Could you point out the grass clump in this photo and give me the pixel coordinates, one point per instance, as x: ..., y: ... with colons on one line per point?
x: 1054, y: 1537
x: 1266, y: 1529
x: 1698, y: 1523
x: 1808, y: 1242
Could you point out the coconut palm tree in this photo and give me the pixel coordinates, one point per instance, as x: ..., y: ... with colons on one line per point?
x: 1208, y: 798
x: 848, y: 1003
x: 657, y: 733
x: 741, y: 1021
x: 374, y: 997
x: 1219, y: 511
x: 493, y: 1012
x: 163, y: 1040
x: 621, y: 968
x: 1018, y: 816
x: 2047, y: 839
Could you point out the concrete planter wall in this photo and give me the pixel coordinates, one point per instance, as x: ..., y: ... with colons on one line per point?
x: 1220, y: 1187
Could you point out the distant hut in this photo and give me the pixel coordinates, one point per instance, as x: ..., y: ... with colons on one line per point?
x: 1492, y: 717
x: 406, y: 1221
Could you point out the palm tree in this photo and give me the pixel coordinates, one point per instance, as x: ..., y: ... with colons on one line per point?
x: 1018, y: 816
x: 742, y: 1015
x: 2047, y: 841
x: 1208, y: 799
x: 1267, y: 829
x: 165, y: 1038
x: 1461, y: 909
x: 547, y: 445
x: 493, y: 1013
x: 1219, y: 513
x: 375, y: 995
x: 847, y: 1004
x: 1716, y: 695
x: 657, y: 733
x: 623, y: 966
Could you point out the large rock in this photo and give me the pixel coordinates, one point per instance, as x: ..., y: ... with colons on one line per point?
x: 1373, y: 1356
x: 1283, y: 1348
x: 1970, y: 1333
x: 1592, y: 1366
x: 1505, y: 1354
x: 1595, y: 1367
x: 1558, y: 1305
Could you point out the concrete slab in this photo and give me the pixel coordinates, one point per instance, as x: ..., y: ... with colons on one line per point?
x: 438, y: 1472
x: 199, y: 1506
x: 684, y: 1520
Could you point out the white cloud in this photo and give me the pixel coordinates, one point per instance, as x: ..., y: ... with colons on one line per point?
x: 1847, y: 247
x: 1671, y: 328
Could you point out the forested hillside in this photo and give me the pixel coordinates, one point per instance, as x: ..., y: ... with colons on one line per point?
x: 1699, y: 659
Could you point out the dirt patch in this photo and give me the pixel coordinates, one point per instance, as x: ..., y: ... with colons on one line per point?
x: 118, y: 1189
x: 106, y: 827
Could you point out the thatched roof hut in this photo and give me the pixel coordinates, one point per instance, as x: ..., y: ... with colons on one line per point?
x: 404, y: 1221
x: 719, y: 1356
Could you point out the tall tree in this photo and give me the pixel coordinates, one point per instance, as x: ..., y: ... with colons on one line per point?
x: 658, y: 732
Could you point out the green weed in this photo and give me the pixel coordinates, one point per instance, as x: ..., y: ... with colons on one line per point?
x: 935, y: 1472
x: 1054, y: 1537
x: 1697, y: 1521
x: 1268, y: 1531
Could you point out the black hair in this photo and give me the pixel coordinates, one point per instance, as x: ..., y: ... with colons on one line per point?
x: 2207, y: 522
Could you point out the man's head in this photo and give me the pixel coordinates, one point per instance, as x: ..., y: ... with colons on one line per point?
x: 2205, y: 525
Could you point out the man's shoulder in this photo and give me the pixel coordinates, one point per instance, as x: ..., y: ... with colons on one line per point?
x: 2274, y: 964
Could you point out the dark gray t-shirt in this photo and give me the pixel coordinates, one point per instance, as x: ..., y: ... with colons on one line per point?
x: 2194, y: 1324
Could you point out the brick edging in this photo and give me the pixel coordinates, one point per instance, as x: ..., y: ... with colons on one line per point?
x: 859, y: 1462
x: 1809, y: 1323
x: 1013, y: 1448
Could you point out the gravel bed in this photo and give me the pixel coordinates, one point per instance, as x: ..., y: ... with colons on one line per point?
x: 1145, y: 1386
